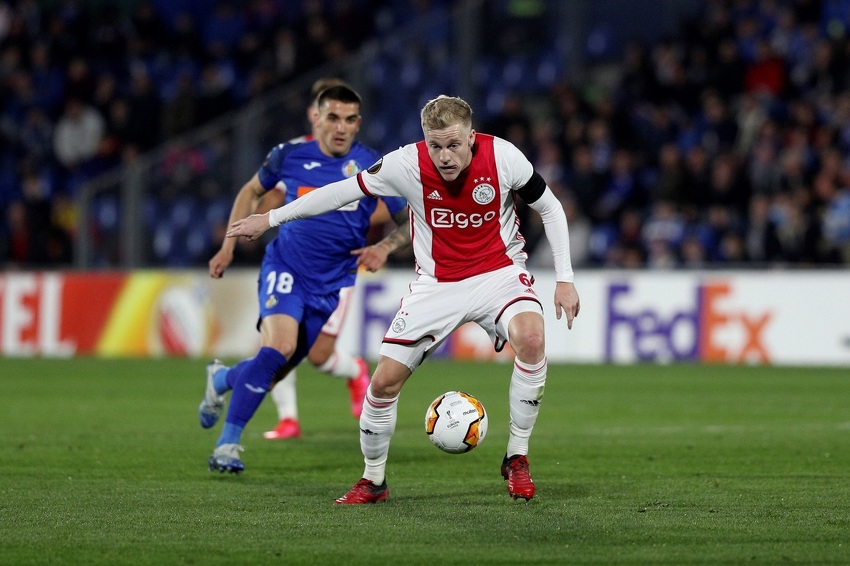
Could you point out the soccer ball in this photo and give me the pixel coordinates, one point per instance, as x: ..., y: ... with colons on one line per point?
x: 456, y: 422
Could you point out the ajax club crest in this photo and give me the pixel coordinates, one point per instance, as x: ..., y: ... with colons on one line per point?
x: 483, y: 193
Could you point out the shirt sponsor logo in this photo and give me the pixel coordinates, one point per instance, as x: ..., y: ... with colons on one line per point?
x: 446, y: 218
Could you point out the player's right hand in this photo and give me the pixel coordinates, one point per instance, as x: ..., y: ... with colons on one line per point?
x: 566, y: 298
x: 220, y: 262
x: 372, y: 257
x: 251, y: 227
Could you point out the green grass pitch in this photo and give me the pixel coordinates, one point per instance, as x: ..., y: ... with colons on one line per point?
x: 103, y: 462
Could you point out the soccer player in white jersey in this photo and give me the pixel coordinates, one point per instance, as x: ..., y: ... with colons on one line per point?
x: 460, y: 186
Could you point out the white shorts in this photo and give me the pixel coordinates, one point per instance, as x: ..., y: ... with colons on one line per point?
x: 432, y: 311
x: 334, y: 324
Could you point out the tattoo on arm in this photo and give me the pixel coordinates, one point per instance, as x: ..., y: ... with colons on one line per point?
x: 400, y: 237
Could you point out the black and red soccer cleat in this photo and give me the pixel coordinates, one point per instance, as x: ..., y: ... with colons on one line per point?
x: 515, y: 470
x: 364, y: 491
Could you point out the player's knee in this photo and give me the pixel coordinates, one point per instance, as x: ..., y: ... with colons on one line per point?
x: 384, y: 389
x: 284, y: 346
x: 527, y: 337
x: 530, y: 346
x: 319, y: 356
x: 387, y: 382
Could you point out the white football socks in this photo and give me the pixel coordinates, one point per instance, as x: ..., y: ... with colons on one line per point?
x: 283, y: 395
x: 377, y: 425
x: 525, y: 394
x: 341, y: 364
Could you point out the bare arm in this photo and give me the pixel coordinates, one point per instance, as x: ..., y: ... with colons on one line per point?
x: 375, y: 256
x: 246, y: 202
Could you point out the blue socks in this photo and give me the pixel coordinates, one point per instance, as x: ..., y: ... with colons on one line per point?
x: 250, y: 380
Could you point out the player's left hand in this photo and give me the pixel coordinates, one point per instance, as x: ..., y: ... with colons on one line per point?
x: 251, y: 227
x: 372, y: 257
x: 566, y: 299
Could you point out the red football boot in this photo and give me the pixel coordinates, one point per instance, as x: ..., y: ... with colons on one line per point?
x: 286, y: 428
x: 515, y: 470
x: 364, y: 491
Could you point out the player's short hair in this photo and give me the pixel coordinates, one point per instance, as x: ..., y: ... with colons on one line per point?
x: 325, y: 83
x: 445, y: 111
x: 340, y: 93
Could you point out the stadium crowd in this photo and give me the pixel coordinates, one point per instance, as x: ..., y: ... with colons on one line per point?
x: 726, y: 143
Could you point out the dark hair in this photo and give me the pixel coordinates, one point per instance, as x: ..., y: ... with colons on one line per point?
x: 339, y: 93
x: 324, y: 84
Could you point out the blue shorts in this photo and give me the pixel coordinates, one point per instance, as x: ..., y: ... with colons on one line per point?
x: 280, y: 292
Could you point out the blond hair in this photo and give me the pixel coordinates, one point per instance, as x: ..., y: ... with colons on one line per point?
x: 445, y: 111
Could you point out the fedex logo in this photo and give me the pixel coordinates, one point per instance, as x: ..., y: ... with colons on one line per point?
x: 445, y: 218
x: 705, y: 330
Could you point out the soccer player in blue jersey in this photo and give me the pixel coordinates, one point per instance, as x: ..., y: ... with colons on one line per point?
x: 303, y: 269
x: 325, y: 355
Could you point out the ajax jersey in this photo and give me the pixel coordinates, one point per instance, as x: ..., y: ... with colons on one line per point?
x: 318, y: 250
x: 464, y: 227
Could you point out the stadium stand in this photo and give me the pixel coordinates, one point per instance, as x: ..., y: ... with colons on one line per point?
x: 696, y: 133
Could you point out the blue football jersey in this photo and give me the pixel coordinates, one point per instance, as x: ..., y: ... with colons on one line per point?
x: 318, y: 249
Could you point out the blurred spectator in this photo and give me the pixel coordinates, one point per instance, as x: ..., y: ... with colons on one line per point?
x: 584, y: 182
x: 33, y: 237
x: 78, y: 134
x: 833, y: 208
x: 692, y: 253
x: 727, y: 187
x: 105, y: 91
x: 663, y: 226
x: 728, y: 74
x: 224, y: 28
x: 144, y: 112
x: 622, y: 189
x: 79, y: 82
x: 179, y: 111
x: 512, y: 122
x: 671, y: 180
x: 214, y: 95
x: 766, y: 75
x: 118, y: 125
x: 749, y: 117
x: 718, y: 129
x: 35, y: 138
x: 760, y: 239
x: 149, y: 28
x: 47, y: 80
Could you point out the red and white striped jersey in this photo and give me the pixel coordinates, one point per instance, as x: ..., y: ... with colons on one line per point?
x: 459, y: 228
